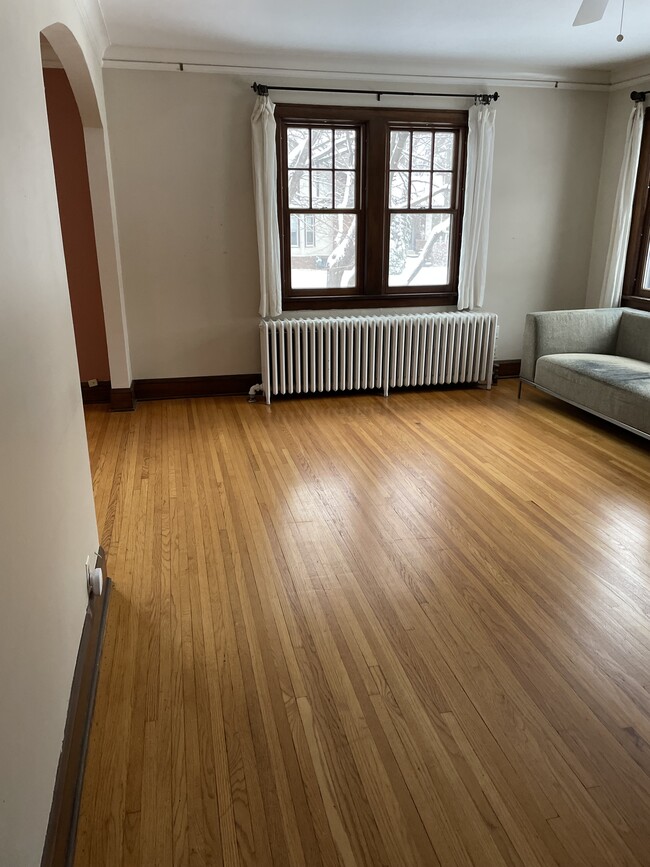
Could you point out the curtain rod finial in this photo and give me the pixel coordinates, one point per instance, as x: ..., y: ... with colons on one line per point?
x: 260, y: 89
x: 638, y: 95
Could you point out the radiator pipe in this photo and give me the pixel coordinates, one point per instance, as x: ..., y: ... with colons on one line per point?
x: 254, y: 390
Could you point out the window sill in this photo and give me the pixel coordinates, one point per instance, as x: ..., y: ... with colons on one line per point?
x: 637, y: 302
x: 365, y: 302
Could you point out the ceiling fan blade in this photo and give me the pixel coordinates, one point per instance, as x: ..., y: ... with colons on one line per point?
x: 590, y: 11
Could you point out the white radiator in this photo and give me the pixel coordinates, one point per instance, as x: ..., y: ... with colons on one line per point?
x: 359, y: 352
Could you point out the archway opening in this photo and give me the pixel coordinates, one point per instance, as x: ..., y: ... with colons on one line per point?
x: 77, y: 228
x: 60, y: 49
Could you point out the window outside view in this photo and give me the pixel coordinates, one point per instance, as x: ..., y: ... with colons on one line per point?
x: 322, y: 167
x: 421, y: 175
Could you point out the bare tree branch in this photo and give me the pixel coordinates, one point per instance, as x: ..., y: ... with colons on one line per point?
x: 424, y: 252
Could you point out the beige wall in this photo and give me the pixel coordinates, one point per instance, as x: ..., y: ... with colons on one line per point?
x: 619, y: 109
x: 547, y: 161
x: 47, y: 519
x: 180, y: 145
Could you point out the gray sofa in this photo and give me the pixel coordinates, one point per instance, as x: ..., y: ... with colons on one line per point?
x: 598, y: 360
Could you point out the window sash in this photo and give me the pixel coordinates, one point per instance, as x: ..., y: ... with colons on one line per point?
x: 287, y: 210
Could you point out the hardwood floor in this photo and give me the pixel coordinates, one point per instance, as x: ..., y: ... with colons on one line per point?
x: 358, y: 631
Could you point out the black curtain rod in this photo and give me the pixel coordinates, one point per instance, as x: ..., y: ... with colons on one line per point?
x: 639, y: 95
x: 484, y: 98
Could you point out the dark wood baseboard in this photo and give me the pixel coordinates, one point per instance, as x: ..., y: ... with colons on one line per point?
x: 509, y: 368
x: 100, y: 393
x: 122, y: 399
x: 194, y: 386
x: 64, y: 813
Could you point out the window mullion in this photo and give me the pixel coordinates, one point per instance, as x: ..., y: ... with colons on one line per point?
x: 310, y: 176
x: 431, y: 165
x: 375, y: 174
x: 410, y: 170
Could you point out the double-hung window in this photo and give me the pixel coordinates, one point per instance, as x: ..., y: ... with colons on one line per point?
x: 636, y: 282
x: 371, y: 205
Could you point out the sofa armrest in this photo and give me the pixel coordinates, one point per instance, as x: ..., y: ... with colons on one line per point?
x: 568, y: 331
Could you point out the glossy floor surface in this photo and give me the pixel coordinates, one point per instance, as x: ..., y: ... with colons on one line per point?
x: 359, y: 631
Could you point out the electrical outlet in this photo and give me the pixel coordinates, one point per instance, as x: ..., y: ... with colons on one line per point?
x: 92, y: 383
x: 94, y: 578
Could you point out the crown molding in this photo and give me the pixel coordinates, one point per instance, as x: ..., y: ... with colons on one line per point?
x: 339, y: 67
x: 631, y: 75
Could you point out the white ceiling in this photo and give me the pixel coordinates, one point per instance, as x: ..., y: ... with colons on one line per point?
x: 507, y: 35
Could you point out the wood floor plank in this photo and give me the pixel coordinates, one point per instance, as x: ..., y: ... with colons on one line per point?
x: 355, y: 632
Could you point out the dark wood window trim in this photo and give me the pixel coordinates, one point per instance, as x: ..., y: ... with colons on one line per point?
x: 637, y: 302
x: 373, y: 215
x: 634, y: 295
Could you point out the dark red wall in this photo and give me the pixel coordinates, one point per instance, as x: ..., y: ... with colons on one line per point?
x: 75, y: 210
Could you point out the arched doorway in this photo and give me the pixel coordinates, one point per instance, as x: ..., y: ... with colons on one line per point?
x: 99, y: 321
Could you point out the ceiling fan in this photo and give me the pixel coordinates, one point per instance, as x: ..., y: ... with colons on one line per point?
x: 591, y: 11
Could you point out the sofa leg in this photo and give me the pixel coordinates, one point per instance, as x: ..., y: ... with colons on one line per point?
x: 521, y: 382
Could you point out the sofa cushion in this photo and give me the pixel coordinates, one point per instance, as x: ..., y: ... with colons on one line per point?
x: 611, y: 385
x: 633, y: 338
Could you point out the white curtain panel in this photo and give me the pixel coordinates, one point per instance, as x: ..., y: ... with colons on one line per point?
x: 612, y: 290
x: 265, y: 181
x: 476, y: 219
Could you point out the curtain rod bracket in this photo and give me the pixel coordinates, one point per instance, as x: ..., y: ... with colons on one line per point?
x: 485, y: 98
